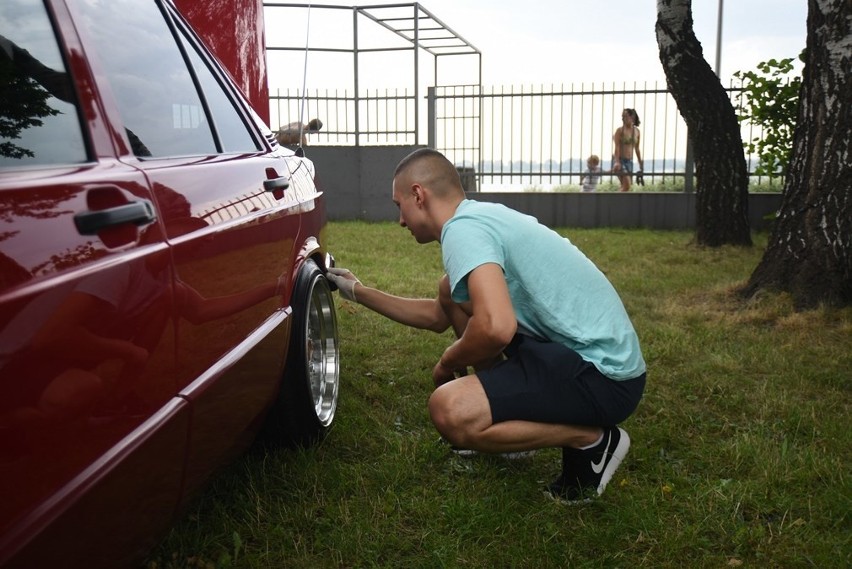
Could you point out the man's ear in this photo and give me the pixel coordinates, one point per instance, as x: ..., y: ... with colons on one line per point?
x: 419, y: 194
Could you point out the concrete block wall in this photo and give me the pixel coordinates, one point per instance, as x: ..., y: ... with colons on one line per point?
x: 357, y: 184
x: 357, y: 181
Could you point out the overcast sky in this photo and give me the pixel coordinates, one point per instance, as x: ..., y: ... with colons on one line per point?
x: 541, y: 41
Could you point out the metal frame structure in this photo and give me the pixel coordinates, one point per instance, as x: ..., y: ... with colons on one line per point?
x: 421, y: 29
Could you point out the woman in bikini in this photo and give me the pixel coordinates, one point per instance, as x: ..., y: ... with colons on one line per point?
x: 626, y: 140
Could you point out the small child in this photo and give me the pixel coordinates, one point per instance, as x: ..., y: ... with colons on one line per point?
x: 592, y: 175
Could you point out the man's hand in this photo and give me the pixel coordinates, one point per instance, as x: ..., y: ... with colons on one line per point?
x: 345, y: 282
x: 441, y: 374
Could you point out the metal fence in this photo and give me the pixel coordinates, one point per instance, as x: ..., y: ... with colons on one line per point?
x: 371, y: 118
x: 509, y: 137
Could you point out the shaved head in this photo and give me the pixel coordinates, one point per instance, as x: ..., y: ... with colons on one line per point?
x: 432, y: 170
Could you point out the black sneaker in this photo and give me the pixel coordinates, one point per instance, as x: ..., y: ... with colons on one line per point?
x: 585, y: 473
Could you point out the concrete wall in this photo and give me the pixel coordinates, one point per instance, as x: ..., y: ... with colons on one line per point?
x: 357, y: 182
x: 653, y: 210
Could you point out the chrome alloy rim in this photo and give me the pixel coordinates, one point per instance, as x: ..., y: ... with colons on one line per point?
x: 323, y: 352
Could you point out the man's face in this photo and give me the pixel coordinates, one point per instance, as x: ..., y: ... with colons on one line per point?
x: 411, y: 216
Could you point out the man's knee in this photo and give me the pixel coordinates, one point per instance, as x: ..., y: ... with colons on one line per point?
x: 448, y: 413
x: 455, y: 415
x: 441, y: 413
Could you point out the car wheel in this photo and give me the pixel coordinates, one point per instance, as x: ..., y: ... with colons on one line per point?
x: 308, y: 397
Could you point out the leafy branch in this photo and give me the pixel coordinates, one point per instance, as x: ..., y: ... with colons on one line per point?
x: 770, y: 99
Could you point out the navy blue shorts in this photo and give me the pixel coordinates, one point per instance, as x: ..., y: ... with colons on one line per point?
x: 546, y: 382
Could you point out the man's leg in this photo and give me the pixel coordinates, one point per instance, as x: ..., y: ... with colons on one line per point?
x: 461, y: 413
x: 536, y: 393
x: 590, y: 455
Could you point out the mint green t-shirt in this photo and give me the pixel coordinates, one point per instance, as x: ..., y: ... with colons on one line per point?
x: 558, y: 294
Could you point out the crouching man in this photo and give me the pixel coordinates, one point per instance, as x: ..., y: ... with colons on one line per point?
x: 556, y: 359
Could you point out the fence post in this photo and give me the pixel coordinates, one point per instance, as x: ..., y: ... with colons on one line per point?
x: 432, y: 117
x: 689, y: 168
x: 356, y: 76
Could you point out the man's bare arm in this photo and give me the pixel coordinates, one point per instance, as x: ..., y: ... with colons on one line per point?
x: 492, y: 324
x: 421, y: 313
x: 424, y: 313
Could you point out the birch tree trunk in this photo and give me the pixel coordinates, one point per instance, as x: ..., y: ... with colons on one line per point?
x: 721, y: 214
x: 810, y: 249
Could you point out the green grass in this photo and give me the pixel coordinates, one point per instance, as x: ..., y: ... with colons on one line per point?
x: 740, y: 457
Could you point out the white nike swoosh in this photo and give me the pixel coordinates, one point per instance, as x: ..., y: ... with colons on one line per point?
x: 597, y: 468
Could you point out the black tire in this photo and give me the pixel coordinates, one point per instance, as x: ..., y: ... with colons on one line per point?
x: 307, y: 400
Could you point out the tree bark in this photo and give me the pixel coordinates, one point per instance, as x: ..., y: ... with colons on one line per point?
x: 721, y: 214
x: 809, y: 253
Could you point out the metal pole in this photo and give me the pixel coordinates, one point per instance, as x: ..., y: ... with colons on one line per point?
x: 417, y: 73
x: 481, y: 125
x: 355, y: 78
x: 719, y: 40
x: 432, y: 120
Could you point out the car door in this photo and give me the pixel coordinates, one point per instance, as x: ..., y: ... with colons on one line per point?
x: 86, y: 427
x: 232, y: 227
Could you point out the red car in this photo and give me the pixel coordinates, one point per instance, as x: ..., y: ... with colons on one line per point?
x: 162, y: 289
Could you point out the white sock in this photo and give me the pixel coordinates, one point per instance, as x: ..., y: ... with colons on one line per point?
x: 594, y: 444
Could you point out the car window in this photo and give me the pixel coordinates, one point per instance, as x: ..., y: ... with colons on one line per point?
x: 233, y: 133
x: 153, y: 88
x: 39, y: 121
